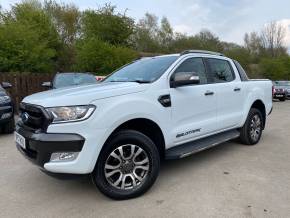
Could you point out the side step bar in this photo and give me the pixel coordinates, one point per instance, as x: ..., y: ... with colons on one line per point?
x: 190, y: 148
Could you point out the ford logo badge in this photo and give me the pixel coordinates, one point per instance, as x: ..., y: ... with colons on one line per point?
x: 25, y: 117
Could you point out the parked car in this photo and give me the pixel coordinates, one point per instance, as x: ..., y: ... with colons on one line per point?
x: 100, y: 78
x: 70, y: 79
x: 7, y: 123
x: 167, y: 106
x: 281, y: 90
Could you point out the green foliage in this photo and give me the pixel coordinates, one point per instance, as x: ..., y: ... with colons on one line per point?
x: 28, y: 40
x: 276, y: 68
x: 47, y: 36
x: 94, y: 55
x: 107, y: 25
x: 145, y: 38
x: 66, y: 19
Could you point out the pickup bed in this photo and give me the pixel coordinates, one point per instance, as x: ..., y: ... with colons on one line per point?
x: 167, y: 106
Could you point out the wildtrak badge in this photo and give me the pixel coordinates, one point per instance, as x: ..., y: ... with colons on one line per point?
x: 187, y: 133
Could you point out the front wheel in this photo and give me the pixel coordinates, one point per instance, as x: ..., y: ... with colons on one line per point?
x: 282, y: 99
x: 127, y: 166
x: 252, y: 130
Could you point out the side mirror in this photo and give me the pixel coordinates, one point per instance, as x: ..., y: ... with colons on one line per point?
x: 46, y: 84
x: 6, y: 85
x: 184, y: 79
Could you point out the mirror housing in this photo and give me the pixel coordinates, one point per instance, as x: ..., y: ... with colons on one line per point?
x: 6, y: 85
x: 46, y: 84
x: 184, y: 79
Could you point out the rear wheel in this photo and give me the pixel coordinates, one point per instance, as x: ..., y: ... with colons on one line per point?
x: 252, y: 130
x: 128, y: 165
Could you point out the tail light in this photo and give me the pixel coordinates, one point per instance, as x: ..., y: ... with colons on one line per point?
x: 273, y: 90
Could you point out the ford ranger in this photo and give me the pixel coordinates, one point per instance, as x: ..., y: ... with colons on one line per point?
x: 117, y: 131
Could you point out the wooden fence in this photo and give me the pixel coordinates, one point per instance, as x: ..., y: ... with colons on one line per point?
x: 24, y: 84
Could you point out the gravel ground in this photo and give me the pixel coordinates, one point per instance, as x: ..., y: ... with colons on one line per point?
x: 230, y: 180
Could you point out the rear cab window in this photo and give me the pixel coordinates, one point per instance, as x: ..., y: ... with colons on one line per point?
x: 241, y: 71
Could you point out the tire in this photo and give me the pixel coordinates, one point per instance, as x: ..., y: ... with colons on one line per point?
x: 9, y: 127
x: 282, y: 99
x: 127, y: 140
x: 245, y: 132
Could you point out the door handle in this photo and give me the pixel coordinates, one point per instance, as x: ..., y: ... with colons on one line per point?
x: 209, y: 93
x: 237, y: 89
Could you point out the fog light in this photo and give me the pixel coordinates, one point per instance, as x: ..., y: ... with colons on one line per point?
x: 6, y: 115
x: 63, y: 156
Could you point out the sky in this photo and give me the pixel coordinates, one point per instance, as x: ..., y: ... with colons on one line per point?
x: 228, y: 19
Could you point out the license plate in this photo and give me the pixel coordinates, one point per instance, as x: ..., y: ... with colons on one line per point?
x: 279, y: 96
x: 20, y: 140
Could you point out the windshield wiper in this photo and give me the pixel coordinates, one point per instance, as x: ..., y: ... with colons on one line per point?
x: 132, y: 81
x: 140, y: 81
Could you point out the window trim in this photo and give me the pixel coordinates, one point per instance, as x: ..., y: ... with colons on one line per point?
x: 173, y: 71
x: 209, y: 69
x: 243, y: 75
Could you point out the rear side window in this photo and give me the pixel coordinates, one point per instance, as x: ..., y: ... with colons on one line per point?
x: 193, y: 65
x: 220, y: 70
x: 241, y: 71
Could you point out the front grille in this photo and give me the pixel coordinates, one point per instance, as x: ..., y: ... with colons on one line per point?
x: 34, y: 117
x: 279, y: 90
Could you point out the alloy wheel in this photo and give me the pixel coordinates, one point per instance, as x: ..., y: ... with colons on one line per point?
x: 127, y: 167
x: 255, y: 127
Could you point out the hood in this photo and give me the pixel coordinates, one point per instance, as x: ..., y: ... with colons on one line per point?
x: 2, y: 92
x: 280, y: 87
x: 85, y: 94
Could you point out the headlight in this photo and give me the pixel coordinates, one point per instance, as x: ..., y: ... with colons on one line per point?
x: 71, y: 113
x: 5, y: 99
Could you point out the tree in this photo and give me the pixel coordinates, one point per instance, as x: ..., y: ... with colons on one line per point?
x: 145, y: 36
x: 273, y: 36
x: 276, y: 68
x: 94, y: 55
x: 183, y: 42
x: 165, y: 34
x: 66, y: 19
x: 29, y: 41
x: 253, y: 42
x: 107, y: 25
x: 209, y: 41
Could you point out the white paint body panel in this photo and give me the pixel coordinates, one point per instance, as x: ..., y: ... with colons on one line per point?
x: 117, y: 103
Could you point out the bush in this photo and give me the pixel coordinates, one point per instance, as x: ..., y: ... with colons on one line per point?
x: 94, y: 55
x: 277, y: 68
x: 23, y: 50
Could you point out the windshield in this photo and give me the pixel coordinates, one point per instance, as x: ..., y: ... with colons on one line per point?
x: 72, y: 79
x: 282, y: 83
x: 145, y: 70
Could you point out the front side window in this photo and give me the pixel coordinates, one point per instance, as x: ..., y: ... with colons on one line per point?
x: 193, y: 65
x: 220, y: 70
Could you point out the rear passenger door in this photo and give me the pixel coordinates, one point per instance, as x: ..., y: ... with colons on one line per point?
x: 194, y: 107
x: 229, y: 92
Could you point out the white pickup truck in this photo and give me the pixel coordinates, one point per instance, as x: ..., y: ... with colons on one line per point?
x: 168, y: 107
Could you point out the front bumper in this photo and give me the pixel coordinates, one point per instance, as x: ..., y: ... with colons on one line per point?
x: 279, y: 95
x: 40, y: 146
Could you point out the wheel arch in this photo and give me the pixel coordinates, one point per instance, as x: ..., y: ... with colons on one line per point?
x: 146, y: 126
x: 259, y: 105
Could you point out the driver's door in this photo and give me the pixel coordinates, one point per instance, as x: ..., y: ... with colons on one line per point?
x: 194, y: 107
